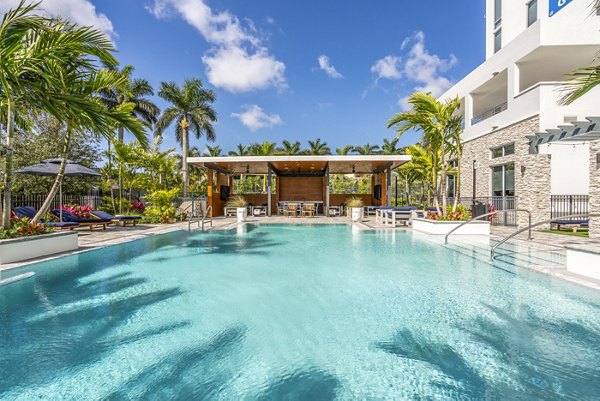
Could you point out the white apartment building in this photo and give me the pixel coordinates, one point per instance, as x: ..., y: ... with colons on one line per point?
x: 515, y: 94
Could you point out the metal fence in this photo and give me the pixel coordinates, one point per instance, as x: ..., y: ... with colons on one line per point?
x: 565, y: 205
x: 493, y: 203
x: 36, y: 201
x: 489, y: 113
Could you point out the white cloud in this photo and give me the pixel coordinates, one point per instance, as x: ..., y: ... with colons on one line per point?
x: 237, y: 61
x: 254, y: 118
x: 82, y: 12
x: 387, y: 67
x: 419, y: 67
x: 325, y: 65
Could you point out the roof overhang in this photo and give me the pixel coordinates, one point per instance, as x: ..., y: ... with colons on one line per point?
x: 301, y: 165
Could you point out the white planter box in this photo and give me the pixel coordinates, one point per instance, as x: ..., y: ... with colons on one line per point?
x: 357, y: 213
x: 585, y: 262
x: 444, y: 227
x: 19, y: 249
x: 241, y: 213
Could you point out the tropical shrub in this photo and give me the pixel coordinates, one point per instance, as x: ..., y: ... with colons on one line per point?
x: 138, y: 207
x: 24, y: 228
x: 461, y: 213
x: 161, y: 209
x: 81, y: 211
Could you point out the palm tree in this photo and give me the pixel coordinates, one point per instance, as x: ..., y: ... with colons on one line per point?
x: 51, y: 65
x: 367, y: 149
x: 290, y: 149
x: 212, y: 151
x: 263, y: 149
x: 346, y: 150
x: 583, y: 80
x: 389, y: 147
x: 191, y: 108
x: 241, y: 150
x: 318, y: 148
x: 436, y: 122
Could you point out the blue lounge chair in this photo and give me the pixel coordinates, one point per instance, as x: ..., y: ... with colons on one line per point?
x: 30, y: 212
x: 91, y: 223
x: 116, y: 219
x: 570, y: 223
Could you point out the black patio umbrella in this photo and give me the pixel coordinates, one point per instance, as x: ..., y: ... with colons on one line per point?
x: 50, y: 167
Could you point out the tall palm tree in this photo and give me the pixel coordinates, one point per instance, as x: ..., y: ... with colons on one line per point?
x: 367, y: 149
x: 436, y: 122
x: 263, y: 149
x: 51, y: 65
x: 241, y: 150
x: 191, y: 108
x: 212, y: 151
x: 134, y: 92
x: 346, y: 150
x: 390, y: 147
x: 290, y: 149
x: 318, y: 148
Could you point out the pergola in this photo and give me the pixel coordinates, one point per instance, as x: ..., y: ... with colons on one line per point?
x: 298, y: 177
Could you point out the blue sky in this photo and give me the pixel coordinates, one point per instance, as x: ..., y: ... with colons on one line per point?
x: 294, y: 70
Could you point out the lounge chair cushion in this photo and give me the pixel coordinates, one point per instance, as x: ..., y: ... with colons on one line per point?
x: 107, y: 216
x: 25, y: 211
x: 70, y: 217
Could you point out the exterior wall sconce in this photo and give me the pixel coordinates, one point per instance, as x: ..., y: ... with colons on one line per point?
x: 597, y: 161
x: 523, y: 168
x: 494, y: 128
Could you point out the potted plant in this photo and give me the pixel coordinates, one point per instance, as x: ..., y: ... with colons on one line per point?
x: 355, y: 204
x: 240, y: 204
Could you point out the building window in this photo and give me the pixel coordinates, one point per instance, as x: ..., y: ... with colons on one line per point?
x: 532, y: 12
x: 497, y: 13
x: 504, y: 150
x: 497, y: 40
x: 503, y: 180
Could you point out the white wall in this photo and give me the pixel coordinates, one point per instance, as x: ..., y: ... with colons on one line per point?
x: 570, y: 165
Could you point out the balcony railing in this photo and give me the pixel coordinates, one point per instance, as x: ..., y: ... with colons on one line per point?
x: 490, y: 113
x: 566, y: 205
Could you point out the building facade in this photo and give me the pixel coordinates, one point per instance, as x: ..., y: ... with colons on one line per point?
x: 515, y: 94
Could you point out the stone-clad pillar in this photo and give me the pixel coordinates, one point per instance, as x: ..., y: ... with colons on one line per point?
x: 595, y: 188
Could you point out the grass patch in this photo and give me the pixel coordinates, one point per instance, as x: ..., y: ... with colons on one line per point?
x: 579, y: 233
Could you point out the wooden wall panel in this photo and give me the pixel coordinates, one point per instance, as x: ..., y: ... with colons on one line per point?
x: 300, y: 188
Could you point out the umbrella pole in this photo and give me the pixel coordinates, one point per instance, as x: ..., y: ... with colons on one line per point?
x: 60, y: 199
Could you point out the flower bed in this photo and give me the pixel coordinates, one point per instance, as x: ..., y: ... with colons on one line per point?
x: 442, y: 227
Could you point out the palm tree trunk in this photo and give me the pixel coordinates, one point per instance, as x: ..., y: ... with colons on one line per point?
x: 112, y: 191
x: 57, y: 181
x: 184, y: 167
x: 121, y: 137
x: 120, y: 134
x: 456, y: 186
x: 8, y: 168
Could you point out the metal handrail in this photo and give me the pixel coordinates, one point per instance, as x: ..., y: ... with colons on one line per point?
x: 486, y: 215
x: 493, y: 251
x: 206, y: 214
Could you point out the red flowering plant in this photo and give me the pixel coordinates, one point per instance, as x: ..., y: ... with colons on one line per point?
x: 81, y: 211
x: 138, y: 207
x: 24, y: 228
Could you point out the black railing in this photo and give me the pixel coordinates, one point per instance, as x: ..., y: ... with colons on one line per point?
x: 489, y: 113
x: 566, y: 205
x: 36, y: 201
x: 493, y: 203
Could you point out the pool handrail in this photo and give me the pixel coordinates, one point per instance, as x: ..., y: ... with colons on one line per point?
x: 519, y: 231
x: 487, y: 215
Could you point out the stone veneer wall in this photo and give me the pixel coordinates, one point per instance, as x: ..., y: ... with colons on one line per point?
x: 594, y: 190
x: 532, y: 172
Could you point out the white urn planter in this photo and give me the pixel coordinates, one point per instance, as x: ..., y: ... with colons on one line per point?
x: 241, y: 213
x: 436, y: 227
x: 19, y: 249
x: 356, y: 213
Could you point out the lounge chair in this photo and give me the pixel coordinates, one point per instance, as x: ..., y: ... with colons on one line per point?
x: 380, y: 211
x: 30, y: 212
x: 396, y: 215
x: 117, y: 219
x: 570, y: 223
x: 91, y: 223
x: 259, y: 210
x: 372, y: 210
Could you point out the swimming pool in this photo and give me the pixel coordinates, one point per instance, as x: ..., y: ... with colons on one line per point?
x: 304, y: 312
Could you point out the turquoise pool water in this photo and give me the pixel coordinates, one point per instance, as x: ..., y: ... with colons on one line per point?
x: 294, y: 312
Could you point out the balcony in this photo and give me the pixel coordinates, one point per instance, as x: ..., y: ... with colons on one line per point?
x: 489, y: 113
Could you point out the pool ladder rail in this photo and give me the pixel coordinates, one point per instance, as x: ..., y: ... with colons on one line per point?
x: 206, y: 217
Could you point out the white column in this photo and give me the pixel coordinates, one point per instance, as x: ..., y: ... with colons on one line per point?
x: 269, y: 191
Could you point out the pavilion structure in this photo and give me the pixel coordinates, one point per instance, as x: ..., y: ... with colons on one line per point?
x: 297, y: 178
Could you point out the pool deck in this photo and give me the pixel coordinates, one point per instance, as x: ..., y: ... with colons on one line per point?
x: 90, y: 240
